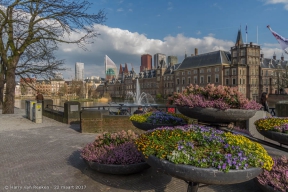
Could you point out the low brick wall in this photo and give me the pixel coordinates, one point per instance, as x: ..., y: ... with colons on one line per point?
x: 99, y: 121
x: 53, y: 114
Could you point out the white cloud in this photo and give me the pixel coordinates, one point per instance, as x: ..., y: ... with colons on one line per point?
x: 285, y: 2
x: 120, y: 9
x: 179, y: 27
x: 123, y: 46
x: 170, y: 6
x: 198, y: 33
x: 130, y: 10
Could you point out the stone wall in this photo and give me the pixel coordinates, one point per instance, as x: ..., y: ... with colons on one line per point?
x: 99, y: 121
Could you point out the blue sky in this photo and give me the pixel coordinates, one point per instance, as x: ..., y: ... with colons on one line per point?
x: 171, y: 27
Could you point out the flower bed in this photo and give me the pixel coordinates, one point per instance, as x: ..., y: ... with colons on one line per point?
x: 159, y: 117
x: 203, y: 147
x: 113, y: 148
x: 220, y: 97
x: 277, y: 178
x: 277, y: 124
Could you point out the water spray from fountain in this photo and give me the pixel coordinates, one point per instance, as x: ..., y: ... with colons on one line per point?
x: 138, y: 97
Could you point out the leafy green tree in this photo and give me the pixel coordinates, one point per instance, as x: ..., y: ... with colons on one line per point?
x: 30, y: 33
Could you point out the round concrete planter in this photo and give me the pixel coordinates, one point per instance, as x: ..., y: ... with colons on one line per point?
x: 281, y: 138
x: 213, y: 115
x: 149, y: 126
x: 117, y: 169
x: 264, y: 188
x: 194, y: 175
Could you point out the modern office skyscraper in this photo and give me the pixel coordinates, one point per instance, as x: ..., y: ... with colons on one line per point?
x: 160, y: 60
x: 79, y: 71
x: 146, y: 62
x: 110, y: 68
x: 172, y: 60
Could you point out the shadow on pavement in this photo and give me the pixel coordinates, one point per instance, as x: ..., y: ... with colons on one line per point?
x: 148, y: 179
x: 75, y: 127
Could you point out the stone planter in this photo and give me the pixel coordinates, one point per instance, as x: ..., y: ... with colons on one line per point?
x: 194, y: 175
x: 117, y: 169
x: 213, y: 115
x: 264, y: 188
x: 281, y: 138
x: 281, y: 109
x: 150, y: 126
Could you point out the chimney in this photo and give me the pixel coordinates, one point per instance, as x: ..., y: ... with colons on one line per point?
x: 282, y: 57
x: 196, y: 51
x: 251, y: 43
x: 261, y: 55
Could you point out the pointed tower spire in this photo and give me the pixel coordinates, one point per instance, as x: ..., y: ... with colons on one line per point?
x: 120, y: 69
x: 274, y: 56
x: 126, y: 69
x: 239, y: 40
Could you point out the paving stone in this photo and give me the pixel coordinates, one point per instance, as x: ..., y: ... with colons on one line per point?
x: 41, y: 156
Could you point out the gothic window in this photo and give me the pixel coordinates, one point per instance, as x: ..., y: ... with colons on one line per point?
x: 226, y: 81
x: 216, y: 78
x: 226, y: 71
x: 195, y: 79
x: 234, y: 81
x: 202, y: 79
x: 209, y: 79
x: 233, y: 71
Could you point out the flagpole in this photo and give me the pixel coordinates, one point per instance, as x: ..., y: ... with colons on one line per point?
x: 246, y: 37
x: 246, y: 33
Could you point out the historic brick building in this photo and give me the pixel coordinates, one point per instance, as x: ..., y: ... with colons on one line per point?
x: 243, y: 67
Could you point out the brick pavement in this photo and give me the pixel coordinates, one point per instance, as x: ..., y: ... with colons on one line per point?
x: 36, y: 157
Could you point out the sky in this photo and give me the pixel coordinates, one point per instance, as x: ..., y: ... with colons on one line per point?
x: 172, y: 27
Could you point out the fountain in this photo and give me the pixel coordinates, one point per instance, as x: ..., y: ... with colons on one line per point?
x: 138, y: 97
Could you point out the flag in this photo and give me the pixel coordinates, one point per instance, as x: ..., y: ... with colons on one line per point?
x: 246, y: 29
x: 282, y: 41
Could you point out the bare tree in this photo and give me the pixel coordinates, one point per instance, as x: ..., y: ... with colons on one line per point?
x: 30, y: 32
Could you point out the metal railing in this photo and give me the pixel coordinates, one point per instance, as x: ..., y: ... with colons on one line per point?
x: 122, y: 109
x: 54, y: 107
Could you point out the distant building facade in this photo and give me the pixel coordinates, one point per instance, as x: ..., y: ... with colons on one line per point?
x: 79, y: 71
x: 160, y: 60
x: 110, y: 69
x: 172, y: 60
x: 146, y: 62
x: 243, y: 67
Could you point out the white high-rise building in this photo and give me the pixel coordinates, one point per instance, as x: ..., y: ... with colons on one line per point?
x: 79, y: 71
x: 160, y: 60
